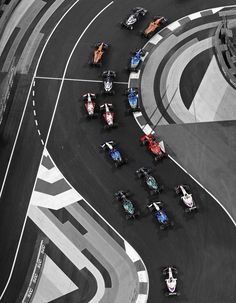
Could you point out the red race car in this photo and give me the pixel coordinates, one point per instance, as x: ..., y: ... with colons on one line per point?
x: 108, y: 115
x: 90, y: 105
x: 155, y: 147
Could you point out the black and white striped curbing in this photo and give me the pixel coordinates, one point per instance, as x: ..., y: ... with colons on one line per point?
x: 135, y: 78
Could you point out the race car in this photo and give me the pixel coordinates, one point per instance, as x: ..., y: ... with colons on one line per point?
x: 135, y: 60
x: 186, y: 197
x: 128, y: 206
x: 114, y: 153
x: 98, y: 52
x: 108, y: 79
x: 160, y: 214
x: 151, y: 183
x: 155, y: 147
x: 170, y: 273
x: 157, y: 23
x: 90, y: 105
x: 108, y: 115
x: 133, y: 17
x: 133, y: 99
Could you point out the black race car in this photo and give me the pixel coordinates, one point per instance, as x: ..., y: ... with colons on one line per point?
x: 108, y: 79
x: 133, y: 17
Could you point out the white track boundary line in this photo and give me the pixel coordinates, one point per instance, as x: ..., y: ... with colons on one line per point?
x: 77, y: 80
x: 14, y: 145
x: 214, y: 10
x: 50, y: 126
x: 204, y: 188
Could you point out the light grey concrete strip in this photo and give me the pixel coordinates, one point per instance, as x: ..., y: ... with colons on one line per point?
x: 27, y: 56
x: 150, y: 69
x: 123, y: 271
x: 24, y: 24
x: 215, y: 98
x: 44, y: 219
x: 171, y: 76
x: 169, y: 83
x: 33, y: 41
x: 15, y: 18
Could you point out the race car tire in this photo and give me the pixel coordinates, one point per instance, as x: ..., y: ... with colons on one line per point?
x: 143, y: 143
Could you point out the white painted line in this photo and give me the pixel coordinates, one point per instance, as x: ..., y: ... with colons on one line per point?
x: 34, y: 111
x: 36, y: 122
x: 195, y: 16
x: 82, y: 80
x: 33, y: 103
x: 79, y: 80
x: 142, y: 276
x: 137, y: 114
x: 134, y: 75
x: 42, y: 142
x: 173, y: 25
x: 141, y: 298
x: 39, y: 132
x: 209, y: 193
x: 155, y: 39
x: 215, y: 10
x: 33, y: 93
x: 134, y: 256
x: 34, y: 83
x: 47, y: 78
x: 14, y: 145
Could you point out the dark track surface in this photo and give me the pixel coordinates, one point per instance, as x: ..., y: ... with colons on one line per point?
x: 203, y: 247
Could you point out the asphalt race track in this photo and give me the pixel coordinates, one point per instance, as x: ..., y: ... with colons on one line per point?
x: 202, y: 245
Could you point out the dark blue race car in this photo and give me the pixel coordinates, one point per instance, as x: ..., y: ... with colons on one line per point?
x: 160, y: 215
x: 114, y: 153
x: 135, y: 60
x: 133, y: 99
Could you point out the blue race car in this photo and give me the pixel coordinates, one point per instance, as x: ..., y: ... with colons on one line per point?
x: 133, y: 103
x: 160, y: 215
x: 135, y: 60
x: 114, y: 153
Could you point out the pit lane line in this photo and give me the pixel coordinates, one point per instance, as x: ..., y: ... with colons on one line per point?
x: 22, y: 117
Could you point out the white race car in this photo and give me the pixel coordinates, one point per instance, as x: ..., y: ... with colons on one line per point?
x: 186, y: 197
x: 90, y: 105
x: 108, y: 115
x: 170, y: 273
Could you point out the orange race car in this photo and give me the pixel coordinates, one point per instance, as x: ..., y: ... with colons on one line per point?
x: 157, y: 23
x: 98, y: 54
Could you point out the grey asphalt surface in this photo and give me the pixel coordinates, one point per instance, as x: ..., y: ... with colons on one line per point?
x: 199, y: 246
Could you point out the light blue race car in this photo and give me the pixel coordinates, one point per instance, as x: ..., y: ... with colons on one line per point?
x: 135, y: 60
x: 133, y: 99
